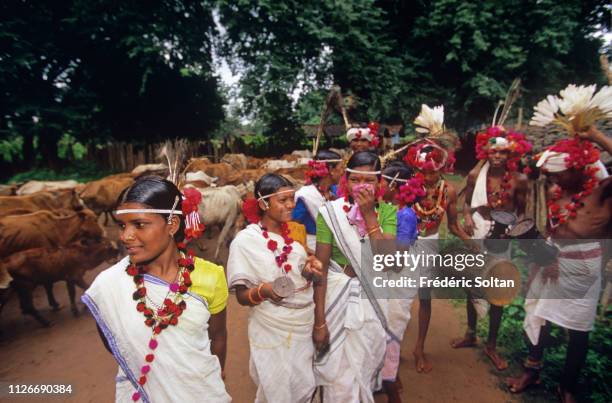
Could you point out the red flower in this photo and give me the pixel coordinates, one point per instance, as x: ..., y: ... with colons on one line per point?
x: 149, y: 358
x: 287, y: 268
x: 272, y: 245
x: 250, y: 210
x: 140, y: 307
x: 142, y: 380
x: 174, y: 321
x: 132, y: 270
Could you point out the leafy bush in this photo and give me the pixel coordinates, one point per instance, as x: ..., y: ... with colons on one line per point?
x: 594, y: 380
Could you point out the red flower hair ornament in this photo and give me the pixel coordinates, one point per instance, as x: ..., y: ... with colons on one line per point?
x: 428, y: 156
x: 193, y: 225
x: 497, y: 138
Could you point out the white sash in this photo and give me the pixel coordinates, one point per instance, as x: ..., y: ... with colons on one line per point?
x: 183, y: 367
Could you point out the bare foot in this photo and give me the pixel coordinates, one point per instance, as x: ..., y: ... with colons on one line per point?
x: 400, y: 385
x: 518, y: 385
x: 465, y: 341
x: 422, y: 364
x: 495, y: 358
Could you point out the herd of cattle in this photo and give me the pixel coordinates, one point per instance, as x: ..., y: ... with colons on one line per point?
x: 53, y: 231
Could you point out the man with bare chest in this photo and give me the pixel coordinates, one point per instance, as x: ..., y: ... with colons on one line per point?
x: 565, y: 293
x: 430, y: 160
x: 494, y: 185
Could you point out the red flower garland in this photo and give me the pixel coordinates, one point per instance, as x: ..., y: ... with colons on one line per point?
x: 283, y: 257
x: 582, y: 153
x: 159, y: 319
x: 411, y: 191
x: 430, y: 215
x: 498, y: 198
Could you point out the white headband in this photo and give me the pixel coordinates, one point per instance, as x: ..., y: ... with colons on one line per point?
x: 500, y: 142
x: 395, y: 179
x: 171, y: 211
x: 338, y: 160
x: 274, y: 194
x: 147, y: 210
x: 362, y: 172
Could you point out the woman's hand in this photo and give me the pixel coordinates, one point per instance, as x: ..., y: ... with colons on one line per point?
x: 320, y: 336
x: 366, y: 200
x: 268, y: 293
x: 313, y: 269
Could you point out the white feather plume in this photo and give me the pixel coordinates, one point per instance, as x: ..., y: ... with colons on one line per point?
x: 430, y: 120
x: 575, y: 108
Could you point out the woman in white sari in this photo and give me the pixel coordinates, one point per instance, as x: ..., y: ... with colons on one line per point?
x: 269, y: 272
x: 159, y: 311
x: 351, y: 331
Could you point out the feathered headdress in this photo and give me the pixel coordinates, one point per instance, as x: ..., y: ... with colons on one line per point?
x: 434, y: 151
x: 575, y: 109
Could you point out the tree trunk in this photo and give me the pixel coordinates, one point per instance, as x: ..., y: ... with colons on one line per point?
x: 49, y: 136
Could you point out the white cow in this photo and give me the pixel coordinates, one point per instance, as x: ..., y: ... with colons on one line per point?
x: 220, y: 206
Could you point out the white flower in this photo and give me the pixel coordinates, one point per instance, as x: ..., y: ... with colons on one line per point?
x: 545, y: 111
x: 430, y: 120
x: 603, y: 101
x: 575, y: 100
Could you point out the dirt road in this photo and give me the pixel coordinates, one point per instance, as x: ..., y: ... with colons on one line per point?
x: 70, y: 352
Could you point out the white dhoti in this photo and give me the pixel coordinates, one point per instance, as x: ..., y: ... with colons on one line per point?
x: 571, y: 300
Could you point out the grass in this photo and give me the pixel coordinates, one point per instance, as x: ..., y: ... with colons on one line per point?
x: 81, y: 171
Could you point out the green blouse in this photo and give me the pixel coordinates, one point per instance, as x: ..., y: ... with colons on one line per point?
x: 387, y: 218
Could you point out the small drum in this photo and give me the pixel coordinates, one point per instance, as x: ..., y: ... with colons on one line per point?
x: 538, y: 250
x: 502, y: 220
x: 503, y: 270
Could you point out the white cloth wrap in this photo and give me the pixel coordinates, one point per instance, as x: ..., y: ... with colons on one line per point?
x: 183, y: 367
x: 313, y: 200
x: 553, y: 161
x: 351, y: 133
x: 280, y: 334
x: 571, y: 301
x: 350, y: 371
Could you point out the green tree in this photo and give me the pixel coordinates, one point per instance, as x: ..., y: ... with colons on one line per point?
x: 130, y: 71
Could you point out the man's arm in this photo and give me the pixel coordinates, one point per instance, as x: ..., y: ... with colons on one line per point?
x: 468, y: 225
x: 520, y: 195
x: 451, y: 214
x: 595, y: 135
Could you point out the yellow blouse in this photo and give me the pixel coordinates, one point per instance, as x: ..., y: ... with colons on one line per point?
x: 297, y: 232
x: 208, y: 281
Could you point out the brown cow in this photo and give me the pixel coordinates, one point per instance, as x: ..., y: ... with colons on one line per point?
x: 197, y: 164
x: 45, y: 266
x: 46, y: 200
x: 46, y: 229
x: 244, y: 176
x: 101, y: 195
